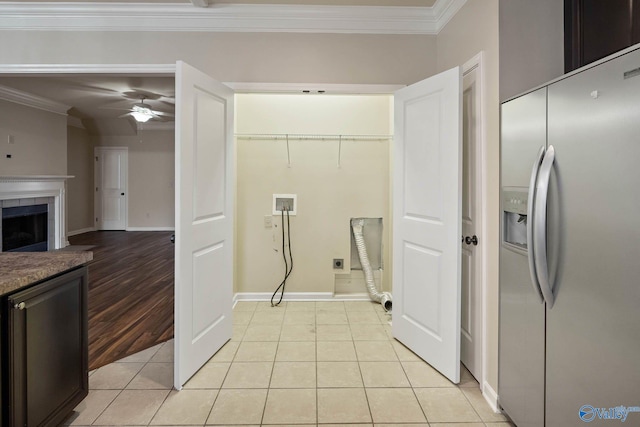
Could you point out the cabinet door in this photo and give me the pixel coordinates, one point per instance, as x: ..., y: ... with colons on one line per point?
x: 47, y: 349
x: 595, y: 29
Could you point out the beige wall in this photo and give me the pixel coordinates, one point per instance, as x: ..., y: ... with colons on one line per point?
x: 151, y: 177
x: 80, y: 190
x: 531, y: 44
x: 475, y: 29
x: 239, y: 57
x: 40, y: 141
x: 308, y: 58
x: 328, y: 196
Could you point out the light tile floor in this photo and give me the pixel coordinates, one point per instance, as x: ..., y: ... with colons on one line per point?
x: 302, y: 363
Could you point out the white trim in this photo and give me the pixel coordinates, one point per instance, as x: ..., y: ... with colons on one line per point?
x: 150, y: 229
x: 288, y: 296
x: 34, y: 101
x: 349, y: 89
x: 75, y: 122
x: 156, y: 70
x: 80, y: 231
x: 96, y: 16
x: 363, y: 296
x: 159, y: 70
x: 445, y: 10
x: 34, y: 178
x: 490, y: 396
x: 477, y: 62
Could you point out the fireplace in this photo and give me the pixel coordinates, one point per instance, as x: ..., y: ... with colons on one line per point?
x: 33, y: 213
x: 25, y: 228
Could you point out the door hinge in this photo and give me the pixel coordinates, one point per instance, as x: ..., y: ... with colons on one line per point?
x: 96, y: 219
x: 96, y: 158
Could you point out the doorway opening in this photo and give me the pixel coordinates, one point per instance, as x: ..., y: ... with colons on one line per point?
x: 132, y: 285
x: 135, y: 70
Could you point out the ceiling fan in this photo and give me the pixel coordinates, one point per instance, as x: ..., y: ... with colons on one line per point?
x: 142, y: 113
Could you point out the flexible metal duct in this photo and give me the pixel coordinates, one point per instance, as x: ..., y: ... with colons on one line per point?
x: 383, y: 298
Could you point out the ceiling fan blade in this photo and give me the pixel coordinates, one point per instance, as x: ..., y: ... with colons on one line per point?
x: 162, y: 113
x: 141, y: 93
x: 124, y: 115
x: 115, y: 108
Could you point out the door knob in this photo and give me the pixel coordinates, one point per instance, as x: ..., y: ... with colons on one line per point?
x: 471, y: 240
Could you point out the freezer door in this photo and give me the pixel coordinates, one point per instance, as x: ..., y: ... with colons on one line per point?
x: 521, y: 345
x: 523, y: 131
x: 593, y: 330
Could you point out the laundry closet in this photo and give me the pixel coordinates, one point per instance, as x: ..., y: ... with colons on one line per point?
x: 332, y: 155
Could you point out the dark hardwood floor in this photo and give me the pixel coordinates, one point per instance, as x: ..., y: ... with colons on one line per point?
x: 130, y: 292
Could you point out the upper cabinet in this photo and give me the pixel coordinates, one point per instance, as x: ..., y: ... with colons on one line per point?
x: 596, y: 28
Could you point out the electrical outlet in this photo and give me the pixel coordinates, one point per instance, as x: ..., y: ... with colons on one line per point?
x: 268, y: 221
x: 11, y: 139
x: 338, y: 263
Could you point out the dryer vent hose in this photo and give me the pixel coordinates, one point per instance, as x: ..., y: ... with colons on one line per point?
x: 384, y: 298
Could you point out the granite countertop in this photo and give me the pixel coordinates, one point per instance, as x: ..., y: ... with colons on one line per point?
x: 18, y: 269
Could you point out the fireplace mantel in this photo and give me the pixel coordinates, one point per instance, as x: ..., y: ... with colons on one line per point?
x: 34, y: 178
x: 20, y: 187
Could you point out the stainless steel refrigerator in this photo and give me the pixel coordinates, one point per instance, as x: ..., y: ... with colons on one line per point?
x: 569, y: 349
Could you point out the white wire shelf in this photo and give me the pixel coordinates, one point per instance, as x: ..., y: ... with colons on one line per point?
x: 311, y: 137
x: 287, y: 137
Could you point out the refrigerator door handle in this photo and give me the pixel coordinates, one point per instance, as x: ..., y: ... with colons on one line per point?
x: 530, y: 225
x: 540, y: 226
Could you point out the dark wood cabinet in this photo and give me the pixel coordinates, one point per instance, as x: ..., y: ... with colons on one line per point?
x: 597, y: 28
x: 45, y: 358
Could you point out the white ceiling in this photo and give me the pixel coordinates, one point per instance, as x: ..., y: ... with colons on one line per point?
x: 99, y: 100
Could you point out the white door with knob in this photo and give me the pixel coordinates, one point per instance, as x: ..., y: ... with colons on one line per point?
x: 111, y: 176
x: 426, y: 220
x: 204, y: 219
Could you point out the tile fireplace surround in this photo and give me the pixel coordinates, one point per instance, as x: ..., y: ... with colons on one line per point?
x: 39, y: 189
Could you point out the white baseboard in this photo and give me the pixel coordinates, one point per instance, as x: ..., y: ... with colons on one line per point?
x: 299, y: 296
x: 490, y: 396
x: 288, y: 296
x: 80, y: 231
x: 150, y: 228
x: 360, y: 296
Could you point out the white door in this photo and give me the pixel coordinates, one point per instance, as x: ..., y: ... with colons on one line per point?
x: 204, y: 219
x: 111, y: 188
x: 471, y: 314
x: 426, y: 220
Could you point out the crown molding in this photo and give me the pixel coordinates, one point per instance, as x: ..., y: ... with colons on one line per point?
x: 156, y: 70
x: 445, y: 10
x: 75, y: 122
x: 23, y: 98
x: 328, y: 88
x: 46, y: 16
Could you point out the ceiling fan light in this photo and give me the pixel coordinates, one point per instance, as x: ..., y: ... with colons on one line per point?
x: 140, y: 116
